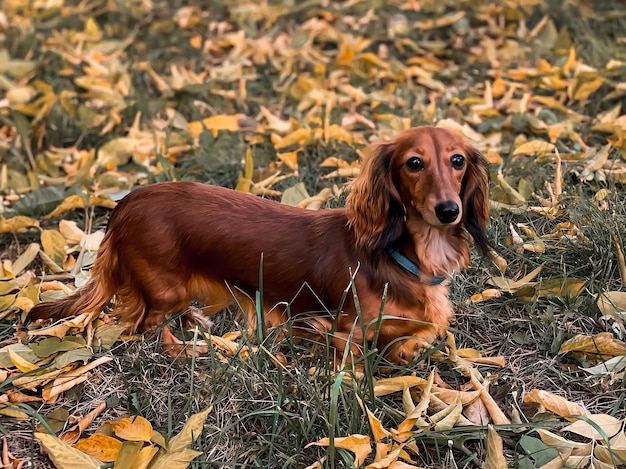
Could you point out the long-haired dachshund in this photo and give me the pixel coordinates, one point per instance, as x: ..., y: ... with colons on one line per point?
x: 408, y: 220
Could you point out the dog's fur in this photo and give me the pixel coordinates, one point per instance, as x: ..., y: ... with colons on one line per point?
x: 170, y: 243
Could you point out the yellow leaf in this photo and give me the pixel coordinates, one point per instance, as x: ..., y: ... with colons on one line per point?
x: 69, y: 203
x: 290, y: 159
x: 17, y: 224
x: 509, y: 285
x: 116, y: 152
x: 178, y: 460
x: 600, y: 344
x: 534, y: 147
x: 64, y: 456
x: 70, y: 230
x: 144, y: 458
x: 390, y: 385
x: 299, y: 136
x: 562, y: 444
x: 405, y: 427
x: 612, y: 303
x: 587, y: 428
x: 598, y: 156
x: 132, y: 429
x: 378, y: 430
x: 53, y: 244
x: 551, y: 102
x: 20, y: 363
x: 385, y: 458
x: 13, y: 412
x: 616, y: 174
x: 102, y: 447
x: 336, y: 132
x: 447, y: 418
x: 439, y: 22
x: 360, y: 445
x: 556, y: 404
x: 245, y: 180
x: 215, y: 123
x: 495, y: 451
x: 585, y: 89
x: 486, y: 295
x: 190, y: 432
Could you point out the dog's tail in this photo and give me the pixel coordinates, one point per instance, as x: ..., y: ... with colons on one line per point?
x: 92, y: 297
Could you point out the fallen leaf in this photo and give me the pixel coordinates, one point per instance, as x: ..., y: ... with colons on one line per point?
x: 592, y: 424
x: 556, y: 404
x: 495, y: 451
x: 102, y: 447
x: 64, y: 456
x: 360, y: 445
x: 134, y: 428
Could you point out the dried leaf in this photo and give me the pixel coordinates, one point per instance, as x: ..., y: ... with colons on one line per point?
x: 132, y: 429
x: 64, y: 456
x: 190, y: 432
x: 589, y: 427
x: 390, y: 385
x: 53, y: 243
x: 495, y: 451
x: 102, y: 447
x: 555, y: 404
x: 360, y: 445
x: 534, y: 147
x: 600, y: 344
x: 17, y: 224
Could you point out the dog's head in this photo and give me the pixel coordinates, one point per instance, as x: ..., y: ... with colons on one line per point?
x: 430, y: 173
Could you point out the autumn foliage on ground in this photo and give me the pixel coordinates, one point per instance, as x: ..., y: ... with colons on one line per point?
x: 279, y: 99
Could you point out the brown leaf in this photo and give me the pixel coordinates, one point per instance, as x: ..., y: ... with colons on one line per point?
x: 556, y: 404
x: 589, y: 427
x: 600, y: 344
x: 495, y: 451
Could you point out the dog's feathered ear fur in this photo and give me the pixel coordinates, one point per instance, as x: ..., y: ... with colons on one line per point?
x: 475, y: 197
x: 375, y: 211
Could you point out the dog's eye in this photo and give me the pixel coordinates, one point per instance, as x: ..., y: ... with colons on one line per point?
x: 458, y: 161
x: 415, y: 164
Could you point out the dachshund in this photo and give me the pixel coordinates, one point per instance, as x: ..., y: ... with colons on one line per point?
x: 409, y: 218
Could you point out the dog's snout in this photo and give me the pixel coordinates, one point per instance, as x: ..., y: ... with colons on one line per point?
x: 447, y: 212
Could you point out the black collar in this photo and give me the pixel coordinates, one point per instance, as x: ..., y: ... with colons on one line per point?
x: 410, y: 266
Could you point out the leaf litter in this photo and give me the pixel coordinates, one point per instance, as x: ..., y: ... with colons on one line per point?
x: 94, y: 107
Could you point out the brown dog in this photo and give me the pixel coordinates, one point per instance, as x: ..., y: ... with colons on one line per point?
x: 406, y: 224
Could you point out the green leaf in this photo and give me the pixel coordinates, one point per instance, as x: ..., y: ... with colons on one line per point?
x: 294, y: 195
x: 537, y: 450
x: 78, y: 355
x: 22, y: 350
x: 51, y: 345
x: 107, y: 334
x: 55, y: 419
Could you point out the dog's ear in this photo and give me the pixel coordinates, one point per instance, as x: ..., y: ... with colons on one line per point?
x: 475, y: 197
x: 375, y: 211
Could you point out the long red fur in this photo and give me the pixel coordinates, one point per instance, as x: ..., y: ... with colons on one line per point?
x: 170, y: 243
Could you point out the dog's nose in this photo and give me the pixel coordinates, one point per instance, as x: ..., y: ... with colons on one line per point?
x: 447, y: 212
